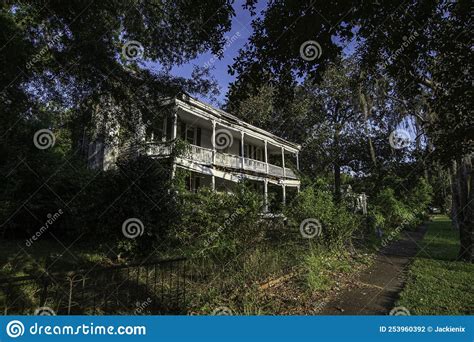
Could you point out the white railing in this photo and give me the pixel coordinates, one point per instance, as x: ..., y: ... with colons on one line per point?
x: 158, y: 149
x: 290, y: 173
x: 199, y: 153
x: 275, y: 170
x: 254, y: 165
x: 228, y: 160
x: 204, y: 155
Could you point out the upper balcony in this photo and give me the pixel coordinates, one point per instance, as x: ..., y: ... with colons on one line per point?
x: 208, y: 156
x: 221, y: 140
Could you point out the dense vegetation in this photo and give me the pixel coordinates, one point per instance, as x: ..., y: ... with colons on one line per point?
x: 64, y: 70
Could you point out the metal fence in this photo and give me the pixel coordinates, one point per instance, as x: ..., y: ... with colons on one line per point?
x: 141, y: 288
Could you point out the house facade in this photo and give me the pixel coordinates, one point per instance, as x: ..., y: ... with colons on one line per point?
x: 223, y: 150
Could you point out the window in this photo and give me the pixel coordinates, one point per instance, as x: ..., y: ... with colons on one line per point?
x: 253, y: 152
x: 189, y: 133
x: 193, y: 183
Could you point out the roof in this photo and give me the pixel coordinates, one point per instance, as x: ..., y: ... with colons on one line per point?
x: 219, y: 113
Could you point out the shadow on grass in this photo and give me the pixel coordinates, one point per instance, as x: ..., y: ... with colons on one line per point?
x: 154, y: 288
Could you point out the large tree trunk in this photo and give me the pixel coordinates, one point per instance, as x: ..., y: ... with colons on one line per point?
x: 463, y: 206
x: 337, y: 168
x: 337, y: 182
x: 455, y: 195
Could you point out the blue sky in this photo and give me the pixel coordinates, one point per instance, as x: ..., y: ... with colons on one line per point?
x: 238, y: 35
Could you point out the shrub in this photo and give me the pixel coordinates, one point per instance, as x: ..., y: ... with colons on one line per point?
x: 387, y: 212
x: 419, y: 199
x: 316, y: 202
x: 217, y: 224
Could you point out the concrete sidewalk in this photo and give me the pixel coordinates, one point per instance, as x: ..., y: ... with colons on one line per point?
x: 376, y: 290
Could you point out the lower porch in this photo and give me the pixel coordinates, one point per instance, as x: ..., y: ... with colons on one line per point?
x: 275, y: 195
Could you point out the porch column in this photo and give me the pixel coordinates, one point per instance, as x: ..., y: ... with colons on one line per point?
x: 266, y: 156
x: 297, y: 161
x: 213, y: 141
x: 174, y: 128
x: 242, y: 134
x: 283, y: 187
x: 265, y: 195
x: 164, y: 135
x: 174, y: 133
x: 283, y: 160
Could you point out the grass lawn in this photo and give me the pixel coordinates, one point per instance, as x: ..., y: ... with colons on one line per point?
x: 437, y: 284
x: 16, y: 259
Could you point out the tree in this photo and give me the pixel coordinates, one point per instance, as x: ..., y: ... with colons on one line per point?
x: 61, y: 61
x: 422, y: 48
x: 339, y: 120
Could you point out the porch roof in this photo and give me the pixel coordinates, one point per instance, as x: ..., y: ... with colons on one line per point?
x: 226, y: 118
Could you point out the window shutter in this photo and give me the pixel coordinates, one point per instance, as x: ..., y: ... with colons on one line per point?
x: 198, y: 183
x: 198, y: 136
x: 169, y: 127
x: 183, y: 131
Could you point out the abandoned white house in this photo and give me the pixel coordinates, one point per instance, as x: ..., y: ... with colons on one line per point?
x: 222, y: 150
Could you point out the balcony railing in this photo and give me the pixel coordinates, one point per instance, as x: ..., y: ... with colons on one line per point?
x: 158, y: 149
x: 198, y: 153
x: 228, y: 160
x: 204, y: 155
x: 275, y: 170
x: 255, y: 165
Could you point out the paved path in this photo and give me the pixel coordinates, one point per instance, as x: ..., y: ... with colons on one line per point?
x: 377, y: 289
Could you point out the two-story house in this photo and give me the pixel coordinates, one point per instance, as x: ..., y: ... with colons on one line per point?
x: 223, y: 149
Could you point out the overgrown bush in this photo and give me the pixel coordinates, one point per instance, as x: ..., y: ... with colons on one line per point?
x: 316, y: 202
x: 389, y: 212
x: 218, y: 224
x: 137, y: 190
x: 419, y: 198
